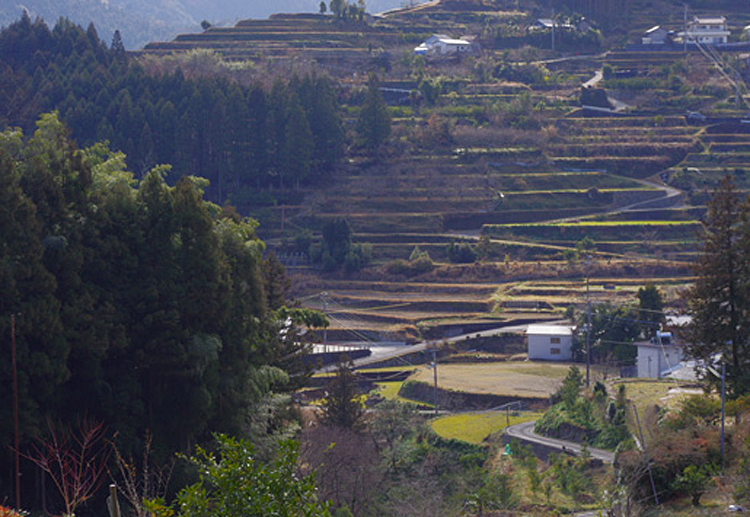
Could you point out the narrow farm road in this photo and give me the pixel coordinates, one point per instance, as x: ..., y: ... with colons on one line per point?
x: 525, y: 432
x: 390, y: 351
x: 598, y: 76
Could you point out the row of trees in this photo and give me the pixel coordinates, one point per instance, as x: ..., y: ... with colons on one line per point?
x: 236, y: 136
x: 137, y: 303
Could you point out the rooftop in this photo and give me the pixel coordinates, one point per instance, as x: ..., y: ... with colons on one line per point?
x: 556, y: 330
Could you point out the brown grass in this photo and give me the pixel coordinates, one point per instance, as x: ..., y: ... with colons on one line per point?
x: 515, y: 379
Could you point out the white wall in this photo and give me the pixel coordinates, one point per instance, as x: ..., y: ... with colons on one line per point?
x: 550, y: 347
x: 654, y: 360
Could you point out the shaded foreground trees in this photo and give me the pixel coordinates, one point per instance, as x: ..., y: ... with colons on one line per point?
x: 139, y: 304
x: 233, y: 483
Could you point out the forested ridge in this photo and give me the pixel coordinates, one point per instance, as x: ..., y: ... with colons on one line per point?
x: 238, y: 136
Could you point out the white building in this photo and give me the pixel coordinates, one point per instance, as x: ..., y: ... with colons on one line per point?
x: 708, y: 30
x: 550, y: 342
x: 441, y: 45
x: 660, y: 356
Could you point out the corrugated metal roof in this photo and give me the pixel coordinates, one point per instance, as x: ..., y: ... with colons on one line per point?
x: 449, y: 41
x: 557, y: 330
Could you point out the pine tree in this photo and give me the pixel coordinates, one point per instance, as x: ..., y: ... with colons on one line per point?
x: 117, y: 47
x: 718, y: 302
x: 650, y: 306
x: 342, y: 407
x: 297, y: 145
x: 374, y: 123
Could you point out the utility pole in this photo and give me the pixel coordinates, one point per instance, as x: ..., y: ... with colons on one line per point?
x: 15, y: 410
x: 723, y: 397
x: 588, y: 325
x: 684, y: 29
x: 553, y: 29
x: 434, y: 375
x: 324, y: 295
x: 645, y: 455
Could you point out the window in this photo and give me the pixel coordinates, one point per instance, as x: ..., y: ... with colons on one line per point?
x: 554, y: 340
x: 554, y: 351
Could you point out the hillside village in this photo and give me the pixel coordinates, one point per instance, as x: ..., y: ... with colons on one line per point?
x: 513, y: 285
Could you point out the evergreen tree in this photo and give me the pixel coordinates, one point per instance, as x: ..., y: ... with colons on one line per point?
x: 342, y: 407
x: 718, y: 303
x: 297, y: 145
x: 258, y: 137
x: 276, y: 284
x: 374, y: 122
x: 650, y: 307
x: 117, y: 47
x: 28, y: 292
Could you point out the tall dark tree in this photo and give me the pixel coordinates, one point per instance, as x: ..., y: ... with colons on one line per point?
x: 342, y: 407
x: 650, y: 309
x: 297, y: 145
x: 718, y: 302
x: 28, y: 292
x: 117, y: 46
x: 276, y: 284
x: 374, y: 122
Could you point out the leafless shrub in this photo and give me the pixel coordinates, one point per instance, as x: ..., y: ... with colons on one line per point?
x: 346, y: 465
x: 75, y: 457
x: 146, y: 481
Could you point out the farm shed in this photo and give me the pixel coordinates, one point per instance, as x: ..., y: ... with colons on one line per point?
x: 655, y: 36
x: 440, y: 44
x: 550, y: 342
x: 658, y: 357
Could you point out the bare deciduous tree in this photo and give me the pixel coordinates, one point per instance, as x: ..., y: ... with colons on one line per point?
x: 75, y: 459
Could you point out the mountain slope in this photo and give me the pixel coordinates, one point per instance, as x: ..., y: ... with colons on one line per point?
x: 142, y: 21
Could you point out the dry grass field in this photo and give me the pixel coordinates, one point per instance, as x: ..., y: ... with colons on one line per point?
x: 513, y: 379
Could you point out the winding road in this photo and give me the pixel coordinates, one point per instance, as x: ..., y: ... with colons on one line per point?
x: 525, y: 432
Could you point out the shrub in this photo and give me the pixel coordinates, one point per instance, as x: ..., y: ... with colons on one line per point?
x: 358, y: 256
x: 463, y: 253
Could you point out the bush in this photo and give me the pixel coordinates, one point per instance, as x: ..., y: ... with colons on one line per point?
x: 463, y: 253
x: 358, y: 256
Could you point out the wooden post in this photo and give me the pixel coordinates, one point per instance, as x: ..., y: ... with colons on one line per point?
x: 15, y: 410
x: 113, y: 505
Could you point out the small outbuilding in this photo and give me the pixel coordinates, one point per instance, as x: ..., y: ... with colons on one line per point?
x: 441, y: 45
x: 660, y: 356
x: 550, y: 342
x: 656, y: 35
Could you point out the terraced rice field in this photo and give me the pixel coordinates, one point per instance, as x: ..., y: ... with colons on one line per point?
x: 533, y: 199
x: 531, y: 210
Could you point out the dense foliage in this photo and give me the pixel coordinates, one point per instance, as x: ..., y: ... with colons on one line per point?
x: 239, y: 137
x: 138, y: 304
x: 234, y: 483
x: 588, y: 418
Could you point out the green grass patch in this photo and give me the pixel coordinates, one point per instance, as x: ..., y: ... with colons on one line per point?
x: 390, y: 390
x: 475, y: 427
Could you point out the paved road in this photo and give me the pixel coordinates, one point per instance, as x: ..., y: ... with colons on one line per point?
x: 390, y: 351
x: 598, y: 76
x: 525, y: 432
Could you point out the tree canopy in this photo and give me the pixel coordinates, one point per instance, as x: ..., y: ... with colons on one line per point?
x: 207, y: 124
x: 138, y: 303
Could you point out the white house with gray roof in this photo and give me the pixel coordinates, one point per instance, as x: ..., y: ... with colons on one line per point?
x: 550, y: 342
